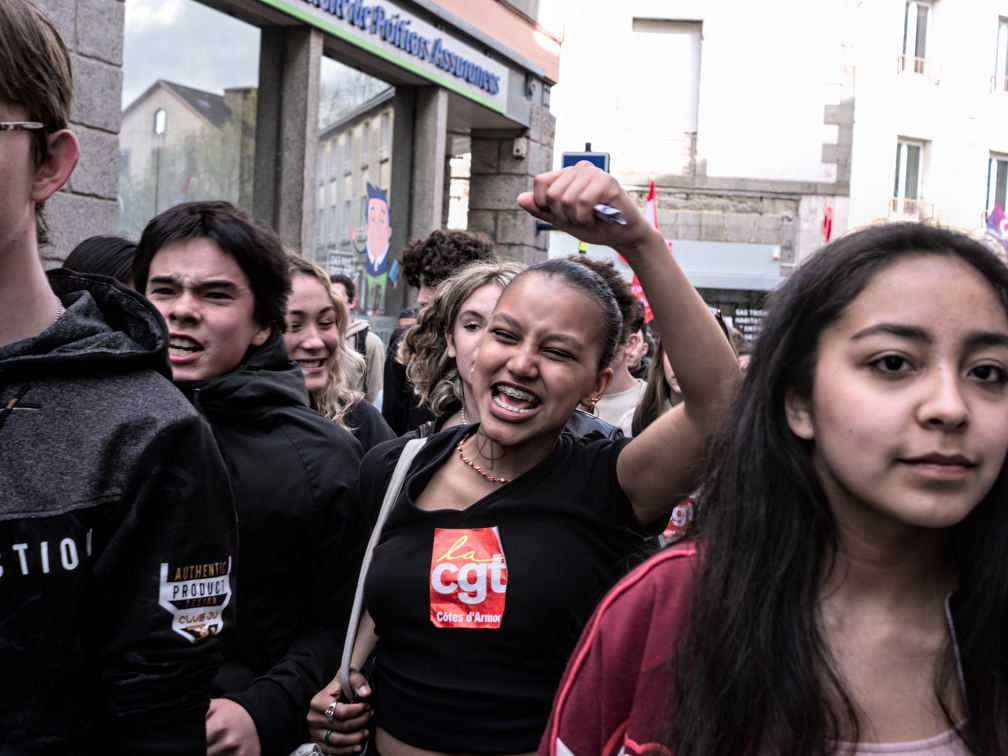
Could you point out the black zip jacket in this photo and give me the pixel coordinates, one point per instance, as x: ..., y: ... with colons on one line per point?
x: 293, y: 474
x: 117, y: 537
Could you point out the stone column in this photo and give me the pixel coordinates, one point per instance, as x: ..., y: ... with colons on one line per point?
x: 498, y: 177
x: 86, y: 206
x: 429, y: 146
x: 287, y: 133
x: 401, y: 188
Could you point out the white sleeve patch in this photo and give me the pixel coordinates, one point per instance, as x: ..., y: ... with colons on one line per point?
x: 195, y: 596
x: 562, y: 749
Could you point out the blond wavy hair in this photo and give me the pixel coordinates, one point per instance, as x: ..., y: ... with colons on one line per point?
x: 338, y: 397
x: 424, y: 348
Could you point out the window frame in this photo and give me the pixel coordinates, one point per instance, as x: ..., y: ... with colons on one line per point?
x: 386, y: 134
x: 918, y: 62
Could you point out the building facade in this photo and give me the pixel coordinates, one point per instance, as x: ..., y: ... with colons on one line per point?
x: 86, y: 206
x: 473, y: 70
x: 770, y: 128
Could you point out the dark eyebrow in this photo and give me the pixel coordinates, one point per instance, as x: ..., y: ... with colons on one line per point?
x: 469, y: 313
x: 552, y: 337
x: 221, y: 284
x: 987, y: 338
x: 913, y: 333
x: 198, y: 285
x: 507, y: 319
x: 330, y: 308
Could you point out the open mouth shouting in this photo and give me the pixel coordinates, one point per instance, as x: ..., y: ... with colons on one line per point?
x: 512, y: 400
x: 181, y: 348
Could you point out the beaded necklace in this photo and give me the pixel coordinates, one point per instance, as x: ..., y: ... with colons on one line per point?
x: 469, y: 462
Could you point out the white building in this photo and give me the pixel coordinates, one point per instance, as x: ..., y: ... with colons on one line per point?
x: 760, y: 121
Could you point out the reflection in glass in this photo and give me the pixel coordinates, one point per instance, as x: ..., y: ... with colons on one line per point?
x: 188, y: 122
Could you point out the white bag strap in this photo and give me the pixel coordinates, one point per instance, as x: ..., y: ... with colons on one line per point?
x: 395, y: 485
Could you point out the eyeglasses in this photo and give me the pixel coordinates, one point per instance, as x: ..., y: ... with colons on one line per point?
x: 20, y: 125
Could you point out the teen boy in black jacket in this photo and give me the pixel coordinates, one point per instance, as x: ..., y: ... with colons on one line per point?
x: 221, y: 281
x: 117, y: 530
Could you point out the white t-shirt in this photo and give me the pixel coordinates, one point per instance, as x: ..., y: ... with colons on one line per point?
x: 617, y: 409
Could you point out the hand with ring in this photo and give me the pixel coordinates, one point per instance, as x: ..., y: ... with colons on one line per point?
x: 339, y: 728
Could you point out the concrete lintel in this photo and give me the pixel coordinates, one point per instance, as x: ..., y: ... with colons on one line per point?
x: 744, y: 186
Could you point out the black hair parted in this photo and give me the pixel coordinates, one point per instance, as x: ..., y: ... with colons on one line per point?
x: 591, y: 283
x: 752, y: 673
x: 110, y: 256
x: 348, y: 284
x: 253, y: 244
x: 630, y: 306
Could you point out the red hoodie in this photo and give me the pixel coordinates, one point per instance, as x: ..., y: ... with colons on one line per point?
x: 614, y: 695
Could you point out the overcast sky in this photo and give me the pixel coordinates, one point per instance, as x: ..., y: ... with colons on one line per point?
x: 185, y: 42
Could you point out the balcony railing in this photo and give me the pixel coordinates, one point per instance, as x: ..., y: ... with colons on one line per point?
x: 921, y: 66
x: 904, y: 208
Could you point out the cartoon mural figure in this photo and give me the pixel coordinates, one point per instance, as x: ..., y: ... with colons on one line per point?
x: 382, y: 267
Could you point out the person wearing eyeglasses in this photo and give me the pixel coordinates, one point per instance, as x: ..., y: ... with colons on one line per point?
x: 117, y: 524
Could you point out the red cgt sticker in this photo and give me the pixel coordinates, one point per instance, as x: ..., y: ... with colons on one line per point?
x: 681, y: 518
x: 468, y: 578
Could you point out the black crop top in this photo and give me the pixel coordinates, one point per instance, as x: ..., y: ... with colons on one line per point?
x: 478, y: 610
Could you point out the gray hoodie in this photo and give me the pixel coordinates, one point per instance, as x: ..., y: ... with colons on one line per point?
x: 117, y: 536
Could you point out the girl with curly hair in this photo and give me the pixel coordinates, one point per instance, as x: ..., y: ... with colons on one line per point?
x: 439, y: 351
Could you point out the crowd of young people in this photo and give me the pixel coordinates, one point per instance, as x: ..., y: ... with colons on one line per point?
x: 191, y: 467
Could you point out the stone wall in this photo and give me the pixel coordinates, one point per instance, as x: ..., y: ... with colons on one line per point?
x: 86, y: 206
x: 498, y: 177
x: 753, y: 211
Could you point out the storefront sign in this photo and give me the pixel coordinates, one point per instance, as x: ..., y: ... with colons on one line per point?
x: 749, y: 321
x: 400, y: 37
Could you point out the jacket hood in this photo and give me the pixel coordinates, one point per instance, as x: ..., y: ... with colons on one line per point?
x: 356, y: 326
x: 106, y: 328
x: 267, y: 378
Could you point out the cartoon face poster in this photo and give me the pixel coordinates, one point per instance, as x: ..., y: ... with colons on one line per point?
x: 382, y: 267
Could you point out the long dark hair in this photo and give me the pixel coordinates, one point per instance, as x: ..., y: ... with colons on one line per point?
x: 657, y: 392
x: 752, y: 674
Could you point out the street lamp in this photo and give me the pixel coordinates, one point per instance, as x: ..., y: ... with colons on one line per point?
x: 160, y: 127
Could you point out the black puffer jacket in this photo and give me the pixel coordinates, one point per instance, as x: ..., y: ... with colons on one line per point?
x: 302, y: 538
x: 117, y: 537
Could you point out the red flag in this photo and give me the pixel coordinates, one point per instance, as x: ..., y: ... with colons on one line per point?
x: 651, y: 207
x: 651, y: 213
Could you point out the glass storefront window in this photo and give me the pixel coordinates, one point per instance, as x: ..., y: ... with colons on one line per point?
x: 349, y: 103
x: 190, y: 78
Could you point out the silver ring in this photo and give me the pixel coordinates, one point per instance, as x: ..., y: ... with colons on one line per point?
x: 330, y: 713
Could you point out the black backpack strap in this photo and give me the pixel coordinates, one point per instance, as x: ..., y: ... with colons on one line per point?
x: 360, y: 344
x: 360, y: 341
